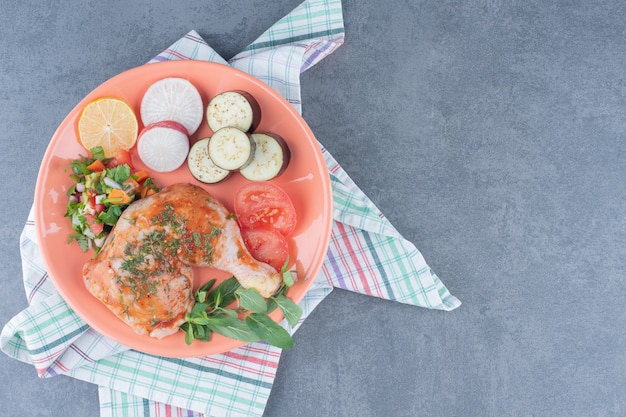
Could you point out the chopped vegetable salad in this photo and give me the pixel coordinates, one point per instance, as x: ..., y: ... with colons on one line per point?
x: 103, y: 188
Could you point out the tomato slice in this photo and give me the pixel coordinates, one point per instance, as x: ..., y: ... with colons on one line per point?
x: 95, y: 227
x: 266, y: 245
x: 263, y: 204
x: 121, y: 157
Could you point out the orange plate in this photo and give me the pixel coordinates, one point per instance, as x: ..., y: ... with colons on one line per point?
x: 306, y: 180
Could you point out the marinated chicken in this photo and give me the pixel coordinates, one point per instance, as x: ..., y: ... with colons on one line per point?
x: 144, y: 274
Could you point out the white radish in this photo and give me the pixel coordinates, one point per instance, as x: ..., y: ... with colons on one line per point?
x: 163, y: 146
x: 174, y: 99
x: 230, y: 148
x: 271, y: 157
x: 233, y: 109
x: 202, y: 167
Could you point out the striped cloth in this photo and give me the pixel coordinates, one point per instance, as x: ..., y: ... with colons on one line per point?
x: 366, y: 255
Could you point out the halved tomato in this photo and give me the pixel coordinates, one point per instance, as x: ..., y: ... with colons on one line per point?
x: 264, y: 204
x: 266, y: 245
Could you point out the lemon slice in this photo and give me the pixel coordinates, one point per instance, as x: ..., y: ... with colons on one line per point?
x: 107, y: 122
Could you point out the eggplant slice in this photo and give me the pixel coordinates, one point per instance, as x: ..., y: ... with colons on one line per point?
x: 230, y: 148
x: 233, y: 109
x: 202, y: 167
x: 271, y: 157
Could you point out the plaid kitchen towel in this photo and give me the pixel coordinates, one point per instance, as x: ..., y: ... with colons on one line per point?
x: 366, y: 255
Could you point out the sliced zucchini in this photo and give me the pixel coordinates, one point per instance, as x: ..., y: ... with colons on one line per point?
x: 233, y: 109
x: 202, y: 167
x: 271, y: 157
x: 229, y: 148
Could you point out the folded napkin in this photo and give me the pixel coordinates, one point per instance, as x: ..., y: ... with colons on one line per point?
x: 366, y: 255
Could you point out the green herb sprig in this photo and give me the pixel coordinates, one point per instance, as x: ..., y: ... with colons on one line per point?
x: 248, y: 320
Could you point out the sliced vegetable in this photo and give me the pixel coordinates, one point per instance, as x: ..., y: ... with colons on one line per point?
x: 163, y: 146
x: 266, y: 245
x: 174, y: 99
x: 140, y: 176
x: 229, y: 148
x: 264, y: 204
x: 202, y: 167
x: 96, y: 166
x: 118, y: 197
x: 233, y: 109
x: 148, y: 188
x: 271, y: 157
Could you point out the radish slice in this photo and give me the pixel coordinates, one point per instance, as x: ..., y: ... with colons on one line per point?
x: 163, y: 146
x: 230, y: 148
x: 271, y: 157
x: 233, y: 109
x: 202, y: 167
x: 174, y: 99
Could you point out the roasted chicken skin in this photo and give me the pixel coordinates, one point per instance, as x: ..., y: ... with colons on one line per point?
x: 143, y: 273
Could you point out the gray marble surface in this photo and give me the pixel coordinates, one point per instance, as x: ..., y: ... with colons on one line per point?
x: 491, y: 133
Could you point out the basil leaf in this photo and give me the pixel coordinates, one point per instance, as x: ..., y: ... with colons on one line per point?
x: 270, y: 331
x: 290, y: 310
x: 224, y: 293
x: 203, y: 333
x: 200, y: 297
x: 203, y: 291
x: 229, y: 312
x: 217, y: 320
x: 200, y: 320
x: 250, y: 299
x: 197, y: 309
x: 286, y: 274
x: 271, y: 305
x: 188, y: 329
x: 233, y: 328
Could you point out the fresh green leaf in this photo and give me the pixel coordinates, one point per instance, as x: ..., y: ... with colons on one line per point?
x: 197, y: 309
x: 111, y: 215
x: 119, y: 173
x: 97, y: 152
x: 83, y: 241
x: 202, y: 333
x: 233, y: 328
x: 200, y: 320
x: 206, y: 336
x: 188, y: 329
x: 79, y: 168
x: 210, y: 314
x: 270, y: 331
x: 202, y: 292
x: 271, y: 305
x: 290, y: 310
x: 224, y: 293
x: 201, y: 297
x: 250, y: 299
x: 287, y: 274
x: 229, y: 312
x: 217, y: 319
